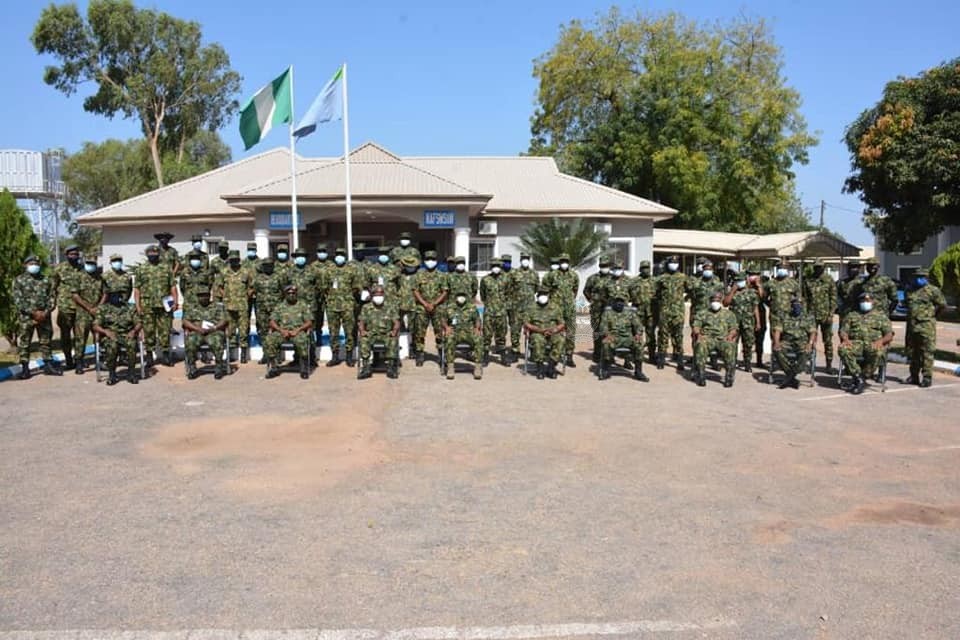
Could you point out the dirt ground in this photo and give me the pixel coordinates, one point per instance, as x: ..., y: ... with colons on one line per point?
x: 335, y: 503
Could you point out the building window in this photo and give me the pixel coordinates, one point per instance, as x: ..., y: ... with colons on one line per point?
x: 904, y: 272
x: 917, y: 251
x: 619, y: 251
x: 481, y: 252
x: 213, y: 245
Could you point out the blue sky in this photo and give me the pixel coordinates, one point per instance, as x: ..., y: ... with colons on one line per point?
x: 440, y: 77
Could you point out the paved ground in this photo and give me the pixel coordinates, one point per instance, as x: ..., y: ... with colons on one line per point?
x: 429, y: 508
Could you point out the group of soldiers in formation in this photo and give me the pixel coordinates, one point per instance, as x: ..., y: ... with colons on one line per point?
x: 290, y: 296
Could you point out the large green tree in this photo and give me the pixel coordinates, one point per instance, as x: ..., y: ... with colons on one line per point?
x: 905, y: 158
x: 18, y: 241
x: 696, y: 116
x: 145, y: 65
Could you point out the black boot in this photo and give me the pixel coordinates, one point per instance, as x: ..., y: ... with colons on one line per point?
x: 700, y: 378
x: 24, y: 370
x: 420, y: 358
x: 392, y: 372
x: 132, y: 376
x: 272, y: 370
x: 112, y: 377
x: 728, y: 378
x: 552, y: 370
x: 927, y: 381
x: 49, y: 369
x: 68, y: 361
x: 220, y: 371
x: 79, y: 368
x: 166, y: 358
x: 596, y: 350
x: 540, y: 369
x: 661, y: 360
x: 638, y: 373
x: 244, y: 355
x: 787, y: 382
x: 263, y: 360
x: 604, y: 372
x: 678, y: 358
x: 350, y: 362
x: 149, y: 358
x: 304, y: 368
x: 857, y: 385
x: 192, y: 372
x: 569, y: 361
x: 364, y: 372
x: 746, y: 366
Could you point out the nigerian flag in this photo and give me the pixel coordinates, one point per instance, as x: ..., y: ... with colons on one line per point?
x: 269, y: 106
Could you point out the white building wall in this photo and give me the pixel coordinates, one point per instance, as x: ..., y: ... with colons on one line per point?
x: 131, y: 240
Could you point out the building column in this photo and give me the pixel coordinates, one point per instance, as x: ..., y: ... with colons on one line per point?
x: 461, y: 242
x: 262, y: 238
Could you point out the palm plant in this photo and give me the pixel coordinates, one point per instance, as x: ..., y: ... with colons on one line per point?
x: 578, y: 239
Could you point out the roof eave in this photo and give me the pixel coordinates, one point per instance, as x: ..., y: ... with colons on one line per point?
x: 658, y: 216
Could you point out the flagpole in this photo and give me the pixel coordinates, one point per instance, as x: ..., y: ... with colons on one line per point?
x: 346, y: 166
x: 294, y: 214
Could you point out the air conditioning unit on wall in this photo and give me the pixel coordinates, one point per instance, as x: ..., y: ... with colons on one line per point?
x: 487, y: 228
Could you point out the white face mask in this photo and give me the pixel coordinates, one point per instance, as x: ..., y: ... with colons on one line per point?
x: 461, y: 299
x: 564, y: 265
x: 117, y: 265
x: 340, y: 260
x: 616, y: 273
x: 554, y: 267
x: 866, y: 306
x: 495, y: 270
x: 715, y: 305
x: 33, y: 269
x: 378, y: 300
x: 741, y: 284
x: 461, y: 267
x: 542, y: 299
x: 195, y: 264
x: 321, y: 255
x: 707, y: 273
x: 383, y: 259
x: 404, y: 243
x: 430, y: 264
x: 604, y: 270
x: 90, y: 267
x: 525, y: 263
x: 672, y: 266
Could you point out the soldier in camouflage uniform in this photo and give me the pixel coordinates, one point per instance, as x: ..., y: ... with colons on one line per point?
x: 924, y: 303
x: 340, y: 288
x: 205, y: 323
x: 86, y: 293
x: 544, y: 326
x: 282, y: 263
x: 196, y: 249
x: 820, y: 299
x: 404, y: 248
x: 379, y: 322
x: 116, y: 278
x: 384, y: 274
x: 880, y: 287
x: 290, y: 321
x: 63, y: 279
x: 715, y: 329
x: 461, y: 281
x: 793, y: 336
x: 155, y: 281
x: 406, y: 300
x: 744, y: 301
x: 780, y: 291
x: 758, y: 282
x: 522, y: 285
x: 671, y: 286
x: 865, y: 335
x: 168, y: 254
x: 268, y: 292
x: 594, y: 290
x: 700, y: 289
x: 430, y: 291
x: 235, y: 286
x: 846, y: 291
x: 194, y: 277
x: 564, y: 284
x: 219, y: 262
x: 643, y: 290
x: 319, y: 267
x: 35, y: 299
x: 306, y: 279
x: 251, y: 264
x: 462, y: 324
x: 621, y: 327
x: 494, y: 297
x: 118, y: 325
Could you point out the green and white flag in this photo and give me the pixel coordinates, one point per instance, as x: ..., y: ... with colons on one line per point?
x: 269, y: 106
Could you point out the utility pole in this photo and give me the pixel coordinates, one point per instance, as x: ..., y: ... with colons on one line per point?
x: 823, y: 206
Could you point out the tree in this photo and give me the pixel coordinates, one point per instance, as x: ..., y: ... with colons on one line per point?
x: 550, y: 238
x: 698, y: 117
x: 146, y: 65
x: 945, y: 271
x: 905, y: 158
x: 18, y: 241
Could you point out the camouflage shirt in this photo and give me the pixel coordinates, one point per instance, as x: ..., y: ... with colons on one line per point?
x: 121, y: 282
x: 193, y: 280
x: 32, y: 293
x: 820, y: 296
x: 846, y: 300
x: 780, y: 293
x: 493, y: 295
x: 563, y: 285
x: 462, y: 318
x: 622, y: 325
x: 379, y: 320
x: 866, y: 327
x: 307, y: 284
x: 64, y: 277
x: 430, y: 284
x: 213, y: 313
x: 922, y: 304
x: 154, y: 281
x: 544, y: 316
x: 89, y: 288
x: 339, y: 286
x: 700, y: 290
x: 744, y: 304
x: 883, y: 290
x: 642, y: 291
x: 522, y: 287
x: 715, y: 324
x: 796, y: 327
x: 121, y: 319
x: 670, y: 292
x: 234, y: 286
x: 594, y: 289
x: 466, y: 283
x: 291, y: 316
x: 266, y: 288
x: 617, y: 287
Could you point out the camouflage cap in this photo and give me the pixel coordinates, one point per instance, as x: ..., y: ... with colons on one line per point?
x: 673, y: 258
x: 716, y: 295
x: 409, y: 261
x: 203, y: 291
x: 299, y: 251
x: 234, y: 253
x: 616, y: 264
x: 564, y: 257
x: 71, y: 248
x: 152, y: 248
x: 644, y: 263
x: 604, y: 261
x: 196, y: 238
x: 290, y: 287
x: 430, y: 254
x: 340, y: 251
x: 921, y: 272
x: 91, y: 257
x: 507, y: 257
x: 706, y: 262
x: 460, y: 260
x: 872, y: 261
x: 267, y: 260
x: 524, y: 254
x: 865, y: 295
x: 495, y: 262
x: 283, y: 246
x: 554, y: 259
x: 377, y: 288
x: 30, y: 259
x: 383, y: 249
x: 251, y: 245
x: 115, y: 256
x: 163, y: 235
x: 321, y: 246
x: 406, y: 235
x: 451, y: 259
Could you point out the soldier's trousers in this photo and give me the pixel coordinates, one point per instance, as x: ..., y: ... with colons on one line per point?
x: 215, y: 340
x: 705, y: 345
x: 495, y: 329
x: 264, y: 311
x: 826, y: 334
x: 610, y: 349
x: 649, y: 322
x: 860, y: 350
x: 463, y: 337
x: 596, y: 313
x: 515, y: 320
x: 570, y: 321
x: 345, y: 320
x: 238, y: 327
x: 373, y: 337
x: 301, y: 345
x: 747, y: 337
x: 67, y: 322
x: 792, y: 356
x: 25, y: 335
x: 545, y: 348
x: 81, y: 331
x: 923, y: 343
x: 670, y: 328
x: 421, y: 321
x: 318, y: 319
x: 157, y: 324
x: 110, y: 350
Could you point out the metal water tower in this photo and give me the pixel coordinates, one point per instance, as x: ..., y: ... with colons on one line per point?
x: 36, y: 180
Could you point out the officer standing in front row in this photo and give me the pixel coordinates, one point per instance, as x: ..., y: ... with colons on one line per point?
x: 34, y: 298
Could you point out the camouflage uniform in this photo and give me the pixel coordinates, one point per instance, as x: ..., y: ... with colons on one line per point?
x: 378, y: 322
x: 193, y: 280
x: 643, y: 297
x: 281, y: 267
x: 319, y: 268
x: 121, y: 320
x: 862, y: 330
x: 235, y: 285
x: 398, y: 253
x: 89, y: 288
x: 522, y: 284
x: 168, y: 254
x: 545, y: 349
x: 214, y: 314
x: 795, y: 341
x: 881, y: 288
x: 405, y: 299
x: 465, y: 282
x: 463, y: 320
x: 621, y: 330
x: 154, y: 283
x: 923, y: 303
x: 669, y: 297
x: 307, y: 284
x: 699, y: 291
x: 431, y: 284
x: 252, y: 267
x: 64, y: 279
x: 267, y: 291
x: 564, y: 286
x: 288, y: 316
x: 820, y: 297
x: 745, y: 306
x: 594, y: 291
x: 118, y: 281
x: 33, y: 293
x: 494, y: 297
x: 340, y: 288
x: 384, y: 275
x: 779, y: 293
x: 847, y: 296
x: 714, y: 327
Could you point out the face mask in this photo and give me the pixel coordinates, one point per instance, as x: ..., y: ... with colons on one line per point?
x: 404, y: 243
x: 461, y: 299
x: 542, y: 300
x: 818, y: 271
x: 153, y: 258
x: 866, y: 306
x: 251, y: 253
x: 292, y: 298
x: 864, y: 276
x: 267, y: 269
x: 321, y: 255
x: 781, y: 273
x: 198, y: 246
x: 554, y: 267
x: 75, y: 260
x: 564, y: 265
x: 164, y: 243
x: 461, y: 268
x: 300, y: 261
x: 715, y: 305
x: 409, y: 270
x: 33, y: 269
x: 340, y: 260
x: 378, y: 300
x: 90, y: 268
x: 920, y: 282
x: 707, y: 273
x: 430, y: 264
x: 672, y: 266
x: 281, y: 255
x: 525, y: 263
x: 507, y: 266
x: 195, y: 264
x: 873, y: 271
x: 117, y: 265
x: 618, y: 305
x: 116, y: 299
x: 495, y: 271
x: 383, y: 259
x: 224, y: 252
x: 604, y: 270
x: 204, y: 301
x: 616, y: 273
x: 741, y: 284
x: 796, y: 310
x: 235, y: 264
x: 644, y: 273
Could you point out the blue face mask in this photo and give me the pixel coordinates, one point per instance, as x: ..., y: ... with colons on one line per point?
x: 300, y: 261
x: 281, y: 255
x: 33, y: 269
x: 507, y: 266
x: 383, y: 259
x: 90, y: 267
x: 251, y: 254
x: 920, y: 282
x: 195, y: 264
x: 117, y: 265
x: 340, y: 260
x: 321, y: 255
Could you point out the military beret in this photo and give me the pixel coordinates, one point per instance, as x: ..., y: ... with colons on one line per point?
x: 234, y: 253
x: 921, y: 272
x: 460, y: 260
x: 72, y: 247
x: 564, y: 256
x: 196, y: 237
x: 644, y: 263
x: 290, y: 287
x: 865, y: 295
x: 340, y: 251
x: 152, y: 247
x: 673, y: 258
x: 163, y: 235
x: 283, y: 246
x: 430, y: 254
x: 707, y: 262
x: 604, y: 261
x: 299, y: 251
x: 451, y: 258
x: 30, y: 259
x: 507, y: 257
x: 251, y: 245
x: 115, y: 256
x: 406, y: 235
x: 410, y: 261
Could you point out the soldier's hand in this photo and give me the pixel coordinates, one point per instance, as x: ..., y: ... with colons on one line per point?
x: 111, y: 334
x: 132, y: 334
x: 37, y: 315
